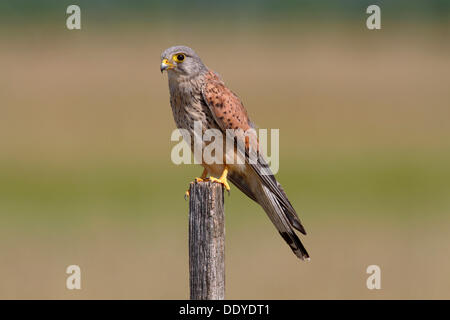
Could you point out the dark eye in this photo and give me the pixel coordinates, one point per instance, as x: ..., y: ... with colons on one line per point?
x: 179, y: 57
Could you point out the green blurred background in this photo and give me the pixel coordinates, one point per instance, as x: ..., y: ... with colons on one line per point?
x: 85, y: 170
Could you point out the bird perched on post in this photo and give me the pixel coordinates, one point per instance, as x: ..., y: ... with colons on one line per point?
x: 198, y: 94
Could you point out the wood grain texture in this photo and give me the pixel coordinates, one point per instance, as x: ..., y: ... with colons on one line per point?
x: 206, y: 241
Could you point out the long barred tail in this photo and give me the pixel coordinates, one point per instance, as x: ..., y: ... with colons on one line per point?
x: 281, y: 220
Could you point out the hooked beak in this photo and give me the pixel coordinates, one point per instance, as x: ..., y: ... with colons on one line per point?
x: 166, y: 65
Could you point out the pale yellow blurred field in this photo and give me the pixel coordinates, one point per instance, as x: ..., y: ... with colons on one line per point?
x: 132, y: 263
x: 86, y: 177
x: 86, y: 94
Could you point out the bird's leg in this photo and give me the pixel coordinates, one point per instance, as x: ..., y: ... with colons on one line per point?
x: 222, y: 179
x: 201, y: 179
x: 203, y: 176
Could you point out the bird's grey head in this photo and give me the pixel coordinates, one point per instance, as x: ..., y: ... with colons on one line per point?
x: 181, y: 61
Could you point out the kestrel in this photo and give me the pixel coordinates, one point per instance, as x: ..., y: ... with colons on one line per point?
x: 198, y: 94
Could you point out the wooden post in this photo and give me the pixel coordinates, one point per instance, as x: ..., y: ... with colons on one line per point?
x: 206, y: 241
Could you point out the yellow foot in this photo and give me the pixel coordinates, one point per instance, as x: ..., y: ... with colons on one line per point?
x: 203, y: 178
x: 222, y: 180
